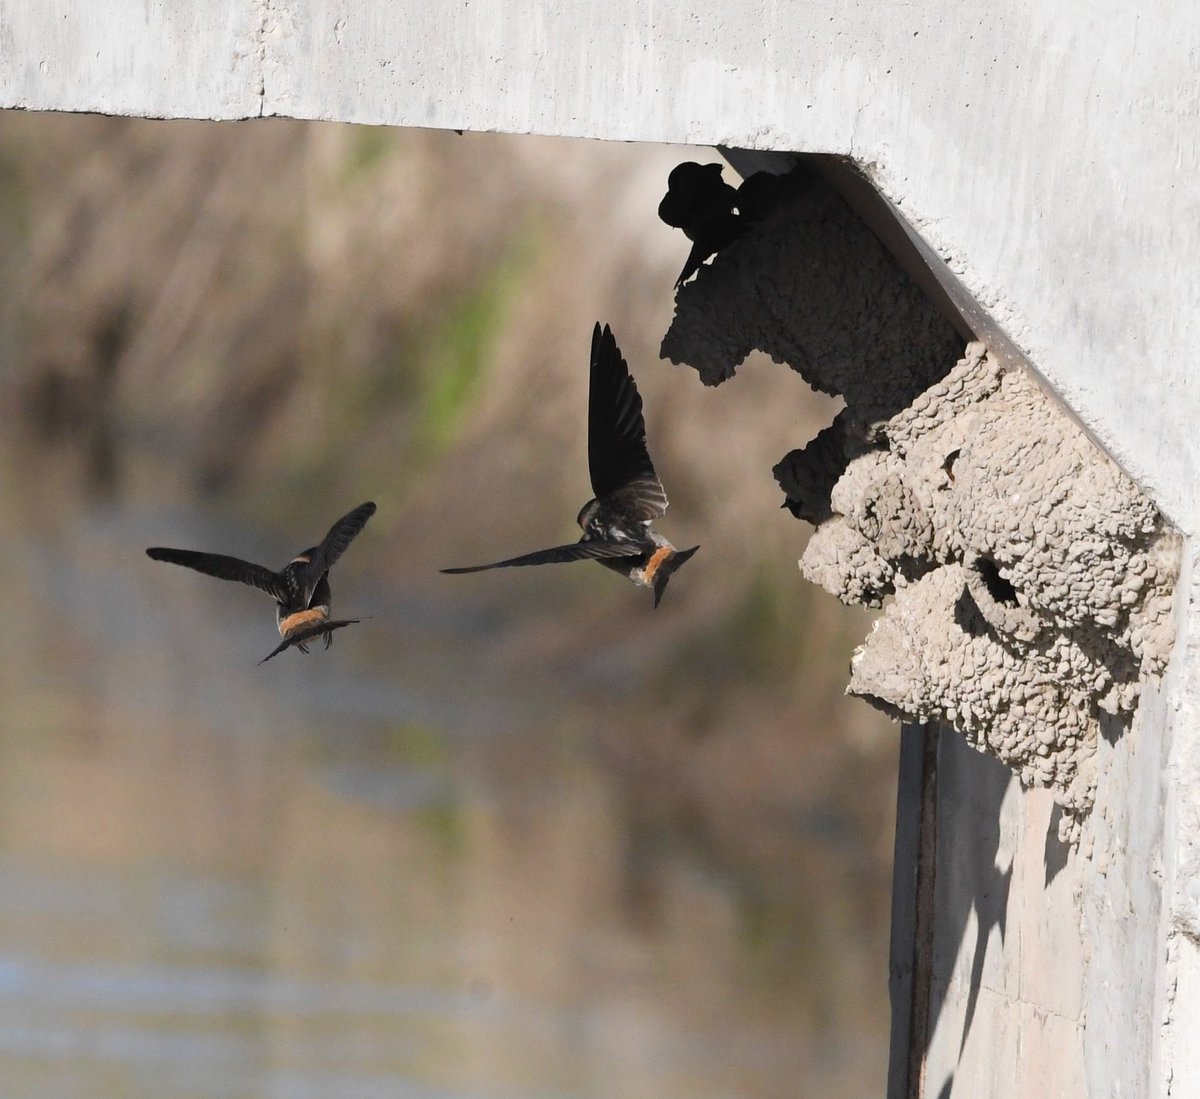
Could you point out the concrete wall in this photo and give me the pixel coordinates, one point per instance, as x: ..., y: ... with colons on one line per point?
x: 1048, y: 154
x: 1039, y: 964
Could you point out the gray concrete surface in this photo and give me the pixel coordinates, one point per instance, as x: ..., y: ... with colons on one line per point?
x: 1044, y: 977
x: 1048, y: 154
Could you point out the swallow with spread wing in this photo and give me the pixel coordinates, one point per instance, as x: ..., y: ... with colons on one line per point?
x: 629, y: 495
x: 300, y: 589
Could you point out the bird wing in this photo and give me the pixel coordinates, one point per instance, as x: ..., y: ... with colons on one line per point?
x: 586, y: 550
x: 320, y: 629
x: 222, y: 567
x: 618, y: 462
x: 641, y: 500
x: 334, y: 544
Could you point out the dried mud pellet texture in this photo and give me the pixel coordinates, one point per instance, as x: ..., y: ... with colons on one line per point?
x: 1032, y: 580
x: 812, y: 287
x: 1048, y: 576
x: 931, y: 656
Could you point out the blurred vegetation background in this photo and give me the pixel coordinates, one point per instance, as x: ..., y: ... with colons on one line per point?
x: 266, y: 323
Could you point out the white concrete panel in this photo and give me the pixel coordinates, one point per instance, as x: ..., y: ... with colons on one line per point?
x: 143, y: 57
x: 1048, y: 961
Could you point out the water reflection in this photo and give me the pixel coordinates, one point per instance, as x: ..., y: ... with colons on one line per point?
x: 380, y: 871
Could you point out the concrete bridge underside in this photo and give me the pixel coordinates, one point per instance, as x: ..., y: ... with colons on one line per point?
x: 1042, y: 160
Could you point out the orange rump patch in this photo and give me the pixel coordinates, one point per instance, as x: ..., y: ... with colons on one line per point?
x: 300, y: 619
x: 656, y: 559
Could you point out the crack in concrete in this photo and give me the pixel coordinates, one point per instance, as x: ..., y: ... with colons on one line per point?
x: 269, y: 21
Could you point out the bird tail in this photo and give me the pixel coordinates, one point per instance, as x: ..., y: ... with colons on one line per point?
x: 309, y: 633
x: 665, y: 570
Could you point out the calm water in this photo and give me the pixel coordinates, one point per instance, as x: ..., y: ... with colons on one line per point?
x: 374, y: 872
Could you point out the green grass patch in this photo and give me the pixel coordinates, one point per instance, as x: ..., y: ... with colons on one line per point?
x: 370, y: 148
x: 455, y: 354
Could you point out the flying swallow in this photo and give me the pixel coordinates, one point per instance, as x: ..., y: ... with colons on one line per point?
x: 300, y: 589
x: 629, y: 495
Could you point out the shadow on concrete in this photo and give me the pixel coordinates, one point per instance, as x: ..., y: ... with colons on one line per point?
x: 1057, y: 852
x: 971, y: 791
x: 1112, y: 728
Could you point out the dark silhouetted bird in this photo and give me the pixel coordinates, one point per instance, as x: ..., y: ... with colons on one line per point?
x: 300, y: 589
x: 701, y: 203
x: 629, y: 495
